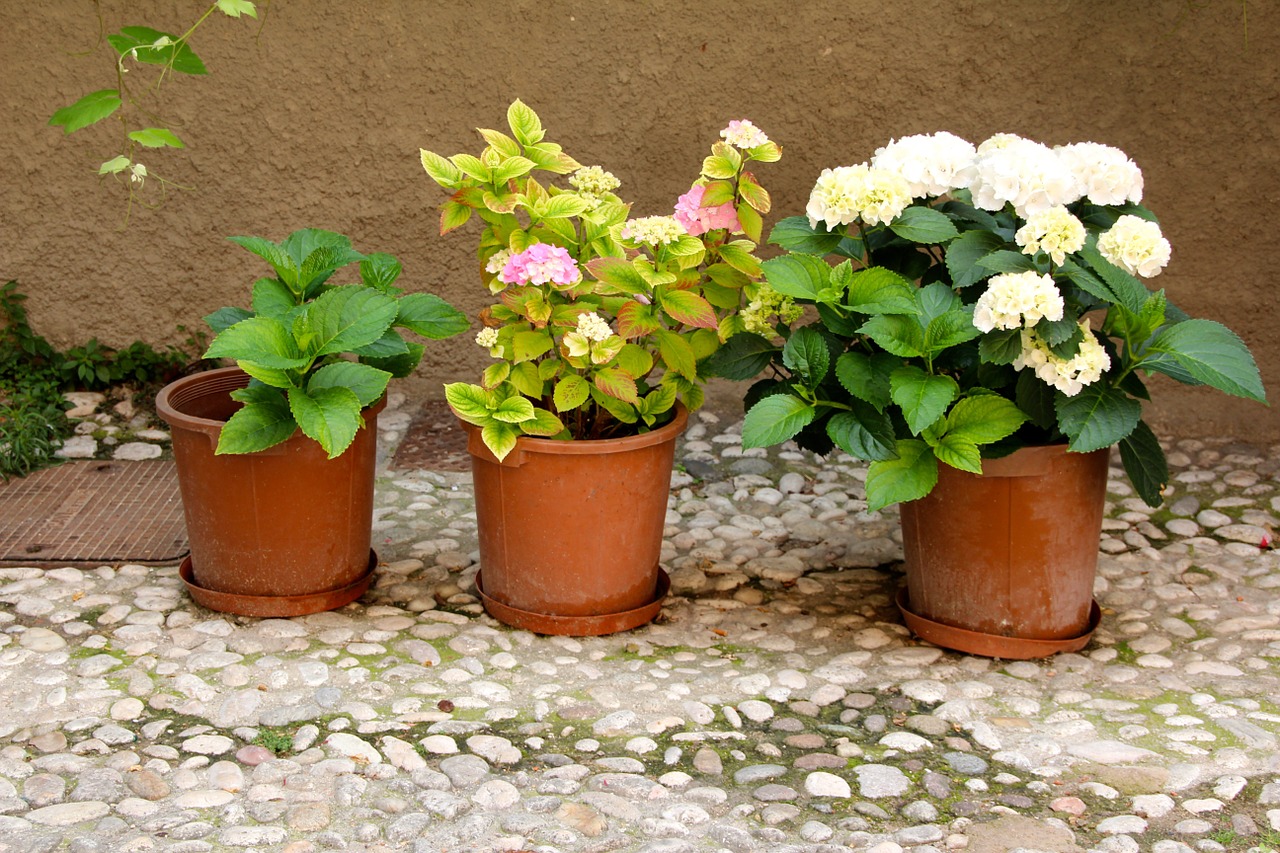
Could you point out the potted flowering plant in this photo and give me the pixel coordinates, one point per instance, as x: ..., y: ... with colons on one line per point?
x: 985, y: 316
x: 598, y: 336
x: 296, y: 417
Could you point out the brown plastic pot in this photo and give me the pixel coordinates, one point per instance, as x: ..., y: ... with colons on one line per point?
x: 1002, y: 564
x: 571, y: 531
x: 282, y: 532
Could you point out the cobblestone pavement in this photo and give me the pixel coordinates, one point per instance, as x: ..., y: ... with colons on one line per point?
x: 777, y: 704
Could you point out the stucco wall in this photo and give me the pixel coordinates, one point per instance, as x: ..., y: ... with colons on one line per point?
x: 317, y: 121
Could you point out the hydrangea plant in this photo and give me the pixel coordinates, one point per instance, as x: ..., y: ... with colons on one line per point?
x: 603, y: 321
x: 971, y: 301
x: 319, y: 353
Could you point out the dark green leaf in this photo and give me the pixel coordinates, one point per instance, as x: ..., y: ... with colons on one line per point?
x: 948, y: 330
x: 867, y: 376
x: 806, y: 355
x: 380, y: 270
x: 921, y: 224
x: 964, y: 252
x: 881, y: 291
x: 836, y: 321
x: 775, y: 419
x: 1097, y: 417
x: 741, y: 357
x: 795, y: 234
x: 225, y: 318
x: 1056, y: 332
x: 863, y: 433
x: 1036, y: 399
x: 390, y: 344
x: 798, y: 276
x: 1001, y: 346
x: 1004, y: 260
x: 430, y: 316
x: 1144, y: 461
x: 923, y: 397
x: 1211, y: 353
x: 366, y: 382
x: 1088, y: 282
x: 910, y: 476
x: 1129, y: 292
x: 257, y: 426
x: 400, y: 365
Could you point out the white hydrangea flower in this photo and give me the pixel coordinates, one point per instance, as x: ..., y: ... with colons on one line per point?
x: 497, y: 261
x: 1054, y: 231
x: 594, y: 181
x: 1069, y: 375
x: 1015, y: 300
x: 593, y: 327
x: 653, y: 230
x: 1026, y: 174
x: 487, y: 337
x: 1135, y: 245
x: 847, y: 193
x: 932, y: 164
x: 1107, y: 174
x: 883, y: 198
x: 741, y: 133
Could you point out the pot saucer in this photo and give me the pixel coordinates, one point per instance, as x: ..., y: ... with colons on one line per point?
x: 992, y: 645
x: 576, y: 626
x: 280, y: 606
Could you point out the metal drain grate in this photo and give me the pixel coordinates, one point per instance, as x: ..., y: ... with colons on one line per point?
x: 93, y: 513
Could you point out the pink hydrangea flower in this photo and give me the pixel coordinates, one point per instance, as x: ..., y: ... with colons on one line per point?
x: 697, y: 219
x: 541, y: 263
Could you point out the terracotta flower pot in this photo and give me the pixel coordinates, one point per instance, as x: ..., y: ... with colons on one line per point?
x: 281, y: 532
x: 1002, y: 564
x: 571, y: 531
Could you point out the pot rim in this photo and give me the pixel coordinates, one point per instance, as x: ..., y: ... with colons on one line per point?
x: 574, y: 447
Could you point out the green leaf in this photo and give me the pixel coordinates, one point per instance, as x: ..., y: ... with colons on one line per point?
x: 796, y: 275
x: 775, y: 419
x: 863, y: 433
x: 527, y: 379
x: 562, y: 206
x: 1097, y: 417
x: 983, y: 419
x: 922, y: 397
x: 501, y: 143
x: 495, y: 374
x: 115, y: 165
x: 344, y: 319
x: 1144, y: 461
x: 390, y: 344
x: 380, y: 271
x: 677, y: 354
x: 1129, y: 292
x: 948, y: 330
x: 619, y: 273
x: 440, y: 170
x: 527, y: 346
x: 236, y: 8
x: 688, y: 308
x: 1211, y: 353
x: 473, y: 167
x: 909, y: 477
x: 543, y: 424
x: 257, y: 426
x: 1001, y: 346
x: 400, y: 364
x: 795, y: 234
x: 964, y: 252
x: 367, y: 383
x: 330, y: 416
x: 1036, y: 399
x: 737, y: 255
x: 285, y: 266
x: 958, y: 452
x: 923, y: 225
x: 225, y: 318
x: 571, y: 392
x: 881, y: 291
x: 316, y: 267
x: 624, y: 412
x: 743, y: 356
x: 271, y: 298
x: 156, y: 137
x: 1007, y: 261
x: 524, y: 123
x: 1088, y: 282
x: 139, y: 42
x: 896, y: 333
x: 867, y: 376
x: 261, y: 340
x: 90, y: 109
x: 635, y: 360
x: 806, y: 355
x: 513, y: 410
x: 616, y: 384
x: 720, y: 168
x: 430, y: 316
x: 500, y: 438
x: 469, y: 402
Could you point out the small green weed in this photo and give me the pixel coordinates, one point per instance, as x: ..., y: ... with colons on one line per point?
x: 276, y: 740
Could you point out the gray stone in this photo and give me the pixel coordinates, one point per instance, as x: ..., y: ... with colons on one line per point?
x: 965, y: 763
x: 464, y: 770
x: 878, y: 781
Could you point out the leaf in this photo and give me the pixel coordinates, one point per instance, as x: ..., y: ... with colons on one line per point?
x: 636, y: 320
x: 717, y: 193
x: 257, y: 426
x: 285, y: 266
x: 958, y: 452
x: 863, y: 433
x: 513, y: 410
x: 526, y: 378
x: 796, y: 275
x: 1097, y: 417
x: 367, y: 383
x: 743, y: 356
x: 330, y: 416
x: 881, y: 291
x: 527, y: 346
x: 1129, y: 292
x: 923, y: 397
x: 500, y: 438
x: 1001, y: 346
x: 115, y: 165
x: 754, y: 194
x: 562, y: 206
x: 90, y: 109
x: 1036, y: 399
x: 399, y: 365
x: 1088, y: 282
x: 909, y: 477
x: 688, y: 308
x: 1005, y: 260
x: 494, y: 375
x: 964, y: 252
x: 867, y: 376
x: 738, y: 255
x: 236, y: 8
x: 571, y: 392
x: 923, y: 225
x: 635, y: 360
x: 983, y: 419
x: 430, y: 316
x: 175, y: 54
x: 261, y: 340
x: 390, y: 344
x: 469, y: 402
x: 156, y: 137
x: 677, y: 354
x: 473, y: 167
x: 806, y: 355
x: 719, y: 168
x: 225, y: 318
x: 948, y: 330
x: 895, y: 333
x: 1144, y: 461
x: 271, y: 298
x: 795, y: 234
x: 346, y: 318
x: 320, y: 263
x: 380, y: 271
x: 524, y: 123
x: 619, y: 273
x: 624, y: 412
x: 616, y: 384
x: 501, y: 143
x: 1212, y: 354
x: 775, y: 419
x: 440, y: 170
x: 543, y: 424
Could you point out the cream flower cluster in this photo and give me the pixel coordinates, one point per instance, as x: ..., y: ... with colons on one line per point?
x: 1106, y: 174
x: 593, y: 327
x: 1054, y: 231
x: 769, y: 303
x: 846, y: 193
x: 1015, y: 300
x: 487, y: 337
x: 497, y: 261
x: 593, y: 338
x: 1026, y: 174
x: 1068, y: 375
x: 592, y: 182
x: 1135, y: 245
x: 653, y: 230
x: 932, y: 164
x: 741, y: 133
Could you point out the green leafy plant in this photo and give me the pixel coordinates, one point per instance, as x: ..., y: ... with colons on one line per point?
x: 953, y: 289
x: 603, y: 320
x: 319, y: 353
x: 32, y: 420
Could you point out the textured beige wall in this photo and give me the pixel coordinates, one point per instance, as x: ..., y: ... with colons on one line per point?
x: 317, y: 121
